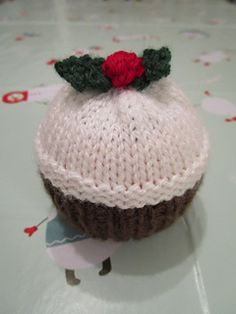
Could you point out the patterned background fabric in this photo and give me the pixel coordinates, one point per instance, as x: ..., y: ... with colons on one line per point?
x: 188, y: 268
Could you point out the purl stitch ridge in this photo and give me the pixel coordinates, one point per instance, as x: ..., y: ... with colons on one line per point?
x: 123, y: 148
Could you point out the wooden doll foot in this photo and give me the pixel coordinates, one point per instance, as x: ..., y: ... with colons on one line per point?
x: 106, y: 267
x: 70, y: 277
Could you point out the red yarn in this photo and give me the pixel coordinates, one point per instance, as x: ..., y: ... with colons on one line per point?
x: 122, y: 68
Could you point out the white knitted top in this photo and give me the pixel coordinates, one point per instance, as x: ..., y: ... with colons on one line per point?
x: 122, y: 148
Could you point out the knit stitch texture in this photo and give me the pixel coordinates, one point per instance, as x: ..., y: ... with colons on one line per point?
x: 100, y: 221
x: 120, y: 69
x: 122, y: 148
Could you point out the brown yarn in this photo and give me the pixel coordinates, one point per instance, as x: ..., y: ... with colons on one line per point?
x: 100, y: 221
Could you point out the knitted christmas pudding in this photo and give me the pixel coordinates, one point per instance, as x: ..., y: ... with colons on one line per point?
x: 121, y: 150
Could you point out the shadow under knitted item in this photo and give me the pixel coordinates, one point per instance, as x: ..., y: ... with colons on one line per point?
x: 101, y: 221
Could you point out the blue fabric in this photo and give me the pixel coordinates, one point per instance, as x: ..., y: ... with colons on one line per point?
x: 59, y: 232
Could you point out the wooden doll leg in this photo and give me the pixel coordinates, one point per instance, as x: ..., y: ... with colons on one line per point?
x: 70, y: 277
x: 106, y: 267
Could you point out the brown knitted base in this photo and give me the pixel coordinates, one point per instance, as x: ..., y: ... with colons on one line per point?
x: 100, y: 221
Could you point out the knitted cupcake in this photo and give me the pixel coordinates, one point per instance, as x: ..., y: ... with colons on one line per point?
x: 121, y: 150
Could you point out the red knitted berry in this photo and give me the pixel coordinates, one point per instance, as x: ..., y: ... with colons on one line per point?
x: 122, y: 68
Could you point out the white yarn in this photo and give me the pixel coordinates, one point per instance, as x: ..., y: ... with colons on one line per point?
x: 122, y: 148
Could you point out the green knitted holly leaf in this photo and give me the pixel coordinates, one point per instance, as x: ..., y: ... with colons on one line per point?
x: 156, y: 64
x: 83, y: 73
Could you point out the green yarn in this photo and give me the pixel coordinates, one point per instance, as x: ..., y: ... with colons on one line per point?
x: 86, y: 73
x: 83, y: 73
x: 156, y: 65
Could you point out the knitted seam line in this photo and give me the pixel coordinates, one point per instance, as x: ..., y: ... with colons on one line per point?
x: 134, y: 179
